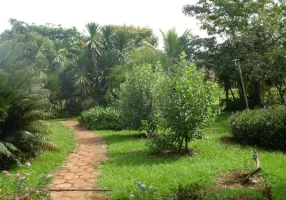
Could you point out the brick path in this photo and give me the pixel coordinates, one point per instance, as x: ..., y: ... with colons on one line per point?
x: 81, y: 168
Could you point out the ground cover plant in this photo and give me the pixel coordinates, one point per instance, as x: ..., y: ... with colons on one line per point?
x: 130, y: 161
x: 42, y: 165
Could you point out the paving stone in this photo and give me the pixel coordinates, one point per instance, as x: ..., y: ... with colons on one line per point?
x: 69, y: 177
x: 81, y: 185
x: 81, y: 167
x: 78, y: 180
x: 64, y: 185
x: 58, y: 181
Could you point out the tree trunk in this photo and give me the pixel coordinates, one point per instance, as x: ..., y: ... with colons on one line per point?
x: 186, y: 144
x: 256, y: 95
x: 232, y: 93
x: 94, y: 62
x: 226, y: 92
x: 181, y: 144
x: 281, y: 93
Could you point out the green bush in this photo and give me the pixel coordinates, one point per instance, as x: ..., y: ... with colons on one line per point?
x: 261, y: 127
x: 100, y: 118
x: 184, y: 102
x: 162, y: 143
x: 135, y: 100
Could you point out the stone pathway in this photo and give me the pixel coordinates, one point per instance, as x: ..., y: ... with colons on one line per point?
x: 81, y: 168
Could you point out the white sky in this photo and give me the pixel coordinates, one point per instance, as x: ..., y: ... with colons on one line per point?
x: 156, y: 14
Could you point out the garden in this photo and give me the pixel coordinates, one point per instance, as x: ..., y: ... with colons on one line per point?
x: 201, y: 118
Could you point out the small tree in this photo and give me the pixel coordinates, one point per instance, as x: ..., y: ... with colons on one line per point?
x: 184, y: 100
x: 135, y: 99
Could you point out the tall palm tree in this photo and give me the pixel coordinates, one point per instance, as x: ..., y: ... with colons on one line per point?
x: 94, y: 44
x: 59, y: 56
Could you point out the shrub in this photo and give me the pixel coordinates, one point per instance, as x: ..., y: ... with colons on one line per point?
x: 135, y: 100
x: 161, y: 143
x: 100, y: 118
x: 261, y: 127
x: 183, y: 102
x: 270, y: 96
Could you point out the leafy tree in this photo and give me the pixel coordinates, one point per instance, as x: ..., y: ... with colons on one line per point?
x: 135, y: 100
x: 138, y: 57
x: 251, y: 32
x: 184, y: 100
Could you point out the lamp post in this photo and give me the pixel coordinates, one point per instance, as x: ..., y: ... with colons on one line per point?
x: 237, y: 63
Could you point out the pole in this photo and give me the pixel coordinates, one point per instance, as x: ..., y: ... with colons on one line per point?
x: 237, y: 63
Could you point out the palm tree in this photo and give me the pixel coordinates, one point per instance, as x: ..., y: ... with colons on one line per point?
x: 175, y: 44
x: 123, y: 43
x: 59, y: 56
x: 108, y: 34
x: 23, y: 102
x: 81, y: 74
x: 94, y: 44
x: 41, y: 47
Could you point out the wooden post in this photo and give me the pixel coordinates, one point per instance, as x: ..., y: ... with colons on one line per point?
x: 237, y: 63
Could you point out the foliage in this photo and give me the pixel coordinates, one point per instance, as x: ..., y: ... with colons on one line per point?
x: 252, y: 32
x: 174, y: 44
x: 135, y: 99
x: 184, y: 101
x: 111, y: 46
x: 262, y: 127
x: 162, y: 143
x: 139, y: 34
x: 76, y: 66
x: 130, y: 160
x: 100, y: 118
x: 138, y: 57
x: 24, y: 101
x: 270, y: 96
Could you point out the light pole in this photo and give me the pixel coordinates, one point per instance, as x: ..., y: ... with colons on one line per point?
x: 237, y: 63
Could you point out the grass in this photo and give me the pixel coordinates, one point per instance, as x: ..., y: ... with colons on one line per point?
x: 45, y: 163
x: 129, y: 161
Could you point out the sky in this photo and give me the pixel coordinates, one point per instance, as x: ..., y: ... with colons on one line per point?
x: 156, y: 14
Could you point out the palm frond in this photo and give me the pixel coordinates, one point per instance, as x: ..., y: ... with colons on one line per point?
x: 4, y: 150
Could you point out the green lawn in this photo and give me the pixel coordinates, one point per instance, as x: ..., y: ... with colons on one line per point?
x: 45, y: 163
x: 129, y: 161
